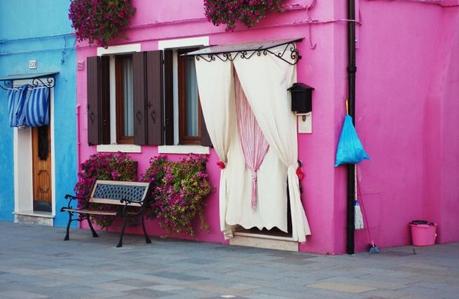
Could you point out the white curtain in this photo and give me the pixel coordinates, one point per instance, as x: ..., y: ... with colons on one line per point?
x: 265, y: 80
x: 216, y: 93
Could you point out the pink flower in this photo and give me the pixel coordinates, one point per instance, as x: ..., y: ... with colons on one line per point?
x: 115, y: 175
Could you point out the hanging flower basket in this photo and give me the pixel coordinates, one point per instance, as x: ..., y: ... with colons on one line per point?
x: 248, y: 12
x: 100, y: 20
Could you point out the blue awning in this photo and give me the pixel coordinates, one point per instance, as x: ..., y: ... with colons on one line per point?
x: 28, y: 106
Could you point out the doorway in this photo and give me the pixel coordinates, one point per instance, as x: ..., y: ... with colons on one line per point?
x: 34, y: 171
x: 41, y: 169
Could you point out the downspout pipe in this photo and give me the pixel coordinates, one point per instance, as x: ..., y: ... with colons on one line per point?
x: 351, y: 74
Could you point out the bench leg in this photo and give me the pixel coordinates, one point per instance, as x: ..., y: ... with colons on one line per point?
x: 94, y: 234
x: 120, y: 243
x: 67, y: 233
x: 147, y: 239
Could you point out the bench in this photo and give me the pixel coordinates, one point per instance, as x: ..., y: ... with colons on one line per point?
x: 118, y: 193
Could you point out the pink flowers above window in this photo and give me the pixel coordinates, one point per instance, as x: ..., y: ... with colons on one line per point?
x: 248, y: 12
x: 100, y: 20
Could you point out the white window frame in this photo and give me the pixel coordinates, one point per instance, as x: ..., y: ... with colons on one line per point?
x: 113, y: 146
x: 176, y: 44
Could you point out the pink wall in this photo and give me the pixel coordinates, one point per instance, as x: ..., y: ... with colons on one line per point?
x: 406, y: 113
x: 395, y: 64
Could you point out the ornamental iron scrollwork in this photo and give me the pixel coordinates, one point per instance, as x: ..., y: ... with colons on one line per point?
x: 7, y: 84
x: 35, y: 82
x: 288, y: 53
x: 48, y: 82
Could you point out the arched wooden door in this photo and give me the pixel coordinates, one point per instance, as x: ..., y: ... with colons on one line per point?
x: 41, y: 157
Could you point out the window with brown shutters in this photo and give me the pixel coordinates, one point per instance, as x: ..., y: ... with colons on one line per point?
x: 144, y: 100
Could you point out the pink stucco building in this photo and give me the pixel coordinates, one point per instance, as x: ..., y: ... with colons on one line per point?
x: 407, y: 110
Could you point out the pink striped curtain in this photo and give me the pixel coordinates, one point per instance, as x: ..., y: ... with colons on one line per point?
x: 254, y: 144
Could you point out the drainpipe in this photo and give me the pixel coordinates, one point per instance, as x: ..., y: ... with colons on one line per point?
x: 351, y: 70
x: 77, y: 112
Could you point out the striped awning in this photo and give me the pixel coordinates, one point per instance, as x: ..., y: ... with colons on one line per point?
x: 28, y: 106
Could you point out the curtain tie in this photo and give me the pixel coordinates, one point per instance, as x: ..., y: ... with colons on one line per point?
x: 300, y: 173
x: 221, y: 164
x: 254, y: 190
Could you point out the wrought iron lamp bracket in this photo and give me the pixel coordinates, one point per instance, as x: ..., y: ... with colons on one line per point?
x: 35, y: 82
x: 7, y: 84
x: 48, y: 82
x: 288, y: 53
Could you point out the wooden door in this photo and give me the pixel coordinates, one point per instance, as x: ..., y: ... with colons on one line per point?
x: 41, y: 157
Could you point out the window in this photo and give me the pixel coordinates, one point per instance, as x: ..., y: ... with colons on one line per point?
x: 131, y: 100
x: 190, y: 114
x: 124, y: 99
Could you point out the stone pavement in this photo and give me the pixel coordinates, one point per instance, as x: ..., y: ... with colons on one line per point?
x: 36, y: 263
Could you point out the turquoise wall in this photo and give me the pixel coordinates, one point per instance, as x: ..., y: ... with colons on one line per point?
x: 39, y: 30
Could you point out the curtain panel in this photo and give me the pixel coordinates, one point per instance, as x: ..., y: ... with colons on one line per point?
x: 216, y: 93
x: 16, y: 102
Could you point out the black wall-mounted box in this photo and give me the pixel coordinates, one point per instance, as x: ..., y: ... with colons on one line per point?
x: 301, y: 98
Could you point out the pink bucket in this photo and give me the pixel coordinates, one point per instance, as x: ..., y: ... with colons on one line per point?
x: 423, y: 233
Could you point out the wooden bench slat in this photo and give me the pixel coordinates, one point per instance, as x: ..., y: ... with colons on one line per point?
x: 91, y: 212
x: 112, y: 202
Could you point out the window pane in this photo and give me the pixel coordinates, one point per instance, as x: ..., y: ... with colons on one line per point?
x: 128, y: 97
x: 192, y: 99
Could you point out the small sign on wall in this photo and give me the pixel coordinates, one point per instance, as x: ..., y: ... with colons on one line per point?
x: 80, y: 66
x: 33, y: 64
x: 305, y: 123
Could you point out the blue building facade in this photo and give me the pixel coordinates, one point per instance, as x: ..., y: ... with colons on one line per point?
x: 36, y: 38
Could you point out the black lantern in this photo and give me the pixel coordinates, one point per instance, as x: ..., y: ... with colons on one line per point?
x: 301, y: 98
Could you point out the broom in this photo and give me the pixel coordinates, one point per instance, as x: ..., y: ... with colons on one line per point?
x: 358, y: 208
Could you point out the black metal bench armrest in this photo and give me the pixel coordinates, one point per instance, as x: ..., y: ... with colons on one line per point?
x: 128, y: 201
x: 72, y: 197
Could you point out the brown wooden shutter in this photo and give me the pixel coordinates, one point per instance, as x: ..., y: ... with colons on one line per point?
x: 154, y: 72
x: 139, y: 86
x: 148, y: 98
x: 98, y: 92
x: 168, y: 98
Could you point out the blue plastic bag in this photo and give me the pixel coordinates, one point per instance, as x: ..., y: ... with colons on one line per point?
x: 350, y: 150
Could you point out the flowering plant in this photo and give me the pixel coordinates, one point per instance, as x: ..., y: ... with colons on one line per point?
x: 100, y: 20
x: 249, y: 12
x: 117, y: 167
x: 179, y: 192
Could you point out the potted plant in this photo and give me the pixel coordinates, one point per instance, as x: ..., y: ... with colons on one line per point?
x: 100, y: 20
x: 180, y: 190
x: 248, y: 12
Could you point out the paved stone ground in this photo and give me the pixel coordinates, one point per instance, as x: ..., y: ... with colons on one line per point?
x: 36, y: 263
